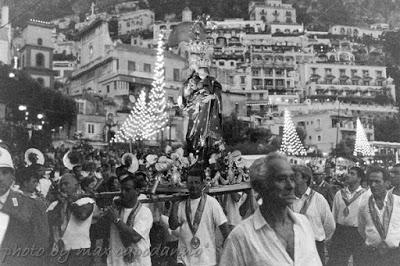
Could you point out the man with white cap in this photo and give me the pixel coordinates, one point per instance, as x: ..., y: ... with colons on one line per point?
x: 24, y: 235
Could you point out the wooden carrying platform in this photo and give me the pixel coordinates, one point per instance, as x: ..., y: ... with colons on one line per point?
x: 167, y: 193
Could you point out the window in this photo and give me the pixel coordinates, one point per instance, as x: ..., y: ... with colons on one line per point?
x: 131, y: 66
x: 342, y: 72
x: 353, y: 72
x: 80, y: 107
x: 318, y: 123
x: 90, y: 50
x: 314, y: 70
x: 310, y: 138
x: 268, y: 71
x: 281, y: 131
x: 221, y: 63
x: 365, y: 73
x: 236, y: 108
x: 378, y: 74
x: 279, y: 72
x: 128, y: 24
x: 108, y: 88
x: 366, y: 83
x: 40, y: 41
x: 39, y: 60
x: 319, y: 138
x: 261, y: 95
x: 232, y: 63
x: 90, y: 128
x: 177, y: 74
x: 41, y: 81
x: 242, y: 79
x: 146, y: 67
x: 255, y: 71
x: 328, y: 71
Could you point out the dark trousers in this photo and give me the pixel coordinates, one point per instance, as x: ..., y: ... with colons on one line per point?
x: 371, y: 257
x: 321, y: 250
x: 346, y: 241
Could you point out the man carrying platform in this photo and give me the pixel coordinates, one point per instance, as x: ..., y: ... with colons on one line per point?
x: 197, y: 219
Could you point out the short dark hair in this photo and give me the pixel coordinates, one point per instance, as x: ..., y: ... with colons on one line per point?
x: 138, y: 180
x: 26, y: 174
x: 305, y: 171
x: 360, y: 172
x: 375, y: 169
x: 197, y: 170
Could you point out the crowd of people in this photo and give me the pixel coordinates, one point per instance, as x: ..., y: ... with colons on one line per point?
x: 291, y: 216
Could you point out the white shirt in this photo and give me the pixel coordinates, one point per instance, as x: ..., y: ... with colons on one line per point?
x: 76, y: 234
x: 368, y: 230
x: 4, y: 218
x: 44, y: 186
x: 213, y: 216
x: 232, y: 210
x: 319, y: 214
x: 254, y: 243
x: 142, y: 225
x: 339, y: 206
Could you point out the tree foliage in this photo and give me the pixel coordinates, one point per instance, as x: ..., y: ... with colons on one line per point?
x: 238, y: 135
x: 344, y: 148
x: 57, y: 108
x: 387, y: 129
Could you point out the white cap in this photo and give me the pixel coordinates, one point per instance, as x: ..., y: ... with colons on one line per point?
x: 5, y: 159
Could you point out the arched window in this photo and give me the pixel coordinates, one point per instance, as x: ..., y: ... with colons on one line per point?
x: 39, y: 41
x: 41, y: 81
x: 39, y: 60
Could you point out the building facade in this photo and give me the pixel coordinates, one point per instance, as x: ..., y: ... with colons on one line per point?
x: 5, y: 35
x: 36, y: 53
x: 135, y: 21
x: 272, y: 11
x: 357, y: 84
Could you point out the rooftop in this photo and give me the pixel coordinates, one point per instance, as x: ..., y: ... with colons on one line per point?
x: 147, y: 51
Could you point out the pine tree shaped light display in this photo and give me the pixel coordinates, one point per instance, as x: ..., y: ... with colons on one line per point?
x: 291, y: 144
x: 158, y: 100
x: 137, y: 126
x: 362, y: 146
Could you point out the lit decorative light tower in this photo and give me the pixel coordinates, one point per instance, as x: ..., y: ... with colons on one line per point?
x: 158, y: 101
x: 137, y: 126
x: 291, y: 144
x: 362, y: 146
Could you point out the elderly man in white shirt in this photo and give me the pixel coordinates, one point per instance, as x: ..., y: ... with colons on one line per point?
x: 379, y: 222
x: 273, y: 235
x: 315, y: 207
x: 346, y: 241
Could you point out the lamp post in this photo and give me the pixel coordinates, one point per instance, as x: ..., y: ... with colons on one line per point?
x: 337, y: 133
x: 171, y: 113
